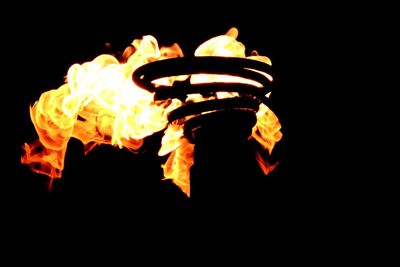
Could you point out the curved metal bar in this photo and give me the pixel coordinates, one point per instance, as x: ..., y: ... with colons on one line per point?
x: 240, y: 67
x: 245, y: 103
x: 234, y: 122
x: 182, y: 90
x: 240, y: 110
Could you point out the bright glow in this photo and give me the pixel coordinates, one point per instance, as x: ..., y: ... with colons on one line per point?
x: 99, y: 104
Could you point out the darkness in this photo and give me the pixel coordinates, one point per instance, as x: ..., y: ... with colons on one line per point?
x: 313, y: 192
x: 113, y: 178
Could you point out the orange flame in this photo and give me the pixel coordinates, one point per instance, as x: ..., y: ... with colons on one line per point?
x: 100, y: 104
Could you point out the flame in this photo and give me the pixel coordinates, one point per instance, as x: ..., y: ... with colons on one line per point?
x: 178, y: 165
x: 100, y: 104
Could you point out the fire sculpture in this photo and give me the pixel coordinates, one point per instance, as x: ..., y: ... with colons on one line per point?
x: 105, y: 101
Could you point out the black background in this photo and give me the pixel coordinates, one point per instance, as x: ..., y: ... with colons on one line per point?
x: 110, y: 177
x: 319, y: 189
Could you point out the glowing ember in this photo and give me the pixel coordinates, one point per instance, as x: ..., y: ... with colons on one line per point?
x: 100, y: 104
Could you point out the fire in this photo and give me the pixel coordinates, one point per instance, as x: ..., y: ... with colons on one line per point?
x: 100, y: 104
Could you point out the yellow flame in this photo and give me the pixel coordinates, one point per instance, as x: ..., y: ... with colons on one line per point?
x: 178, y: 165
x: 99, y: 104
x: 267, y: 129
